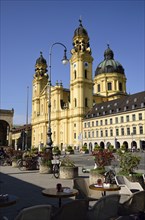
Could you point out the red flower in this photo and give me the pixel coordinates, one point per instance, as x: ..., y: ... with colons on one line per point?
x: 103, y: 157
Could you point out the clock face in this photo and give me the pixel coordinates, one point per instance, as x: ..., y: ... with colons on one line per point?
x: 86, y: 64
x: 74, y: 65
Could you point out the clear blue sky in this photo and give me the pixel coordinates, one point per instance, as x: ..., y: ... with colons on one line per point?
x: 31, y: 26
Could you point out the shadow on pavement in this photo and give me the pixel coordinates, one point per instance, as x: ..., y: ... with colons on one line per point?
x: 28, y: 194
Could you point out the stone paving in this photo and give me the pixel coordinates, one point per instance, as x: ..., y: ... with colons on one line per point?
x: 27, y: 185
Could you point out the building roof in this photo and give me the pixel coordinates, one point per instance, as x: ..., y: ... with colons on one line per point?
x: 124, y: 104
x: 41, y: 59
x: 21, y: 128
x: 80, y: 31
x: 5, y: 111
x: 109, y: 65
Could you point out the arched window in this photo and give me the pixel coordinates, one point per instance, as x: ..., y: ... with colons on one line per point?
x: 99, y: 88
x: 75, y: 102
x: 109, y: 86
x: 85, y: 74
x: 120, y: 86
x: 86, y: 102
x: 75, y: 74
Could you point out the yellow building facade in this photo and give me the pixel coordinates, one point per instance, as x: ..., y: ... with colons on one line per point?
x: 116, y: 122
x: 70, y: 105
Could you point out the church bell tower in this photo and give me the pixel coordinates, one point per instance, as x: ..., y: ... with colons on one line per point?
x: 81, y: 84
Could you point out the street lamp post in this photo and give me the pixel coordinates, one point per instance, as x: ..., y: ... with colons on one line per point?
x: 26, y: 138
x: 64, y: 61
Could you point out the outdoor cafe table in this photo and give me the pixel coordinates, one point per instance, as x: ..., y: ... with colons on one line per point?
x: 52, y: 192
x: 104, y: 189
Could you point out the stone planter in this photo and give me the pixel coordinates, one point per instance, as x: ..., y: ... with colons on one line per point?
x: 94, y: 176
x: 45, y: 169
x: 68, y: 172
x: 14, y: 164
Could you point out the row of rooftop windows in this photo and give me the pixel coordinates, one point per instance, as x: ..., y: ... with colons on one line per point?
x: 116, y: 132
x: 125, y: 107
x: 115, y: 120
x: 111, y: 111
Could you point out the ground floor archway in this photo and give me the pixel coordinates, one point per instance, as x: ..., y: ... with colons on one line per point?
x: 4, y: 129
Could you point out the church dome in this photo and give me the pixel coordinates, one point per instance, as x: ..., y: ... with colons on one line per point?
x: 109, y: 65
x: 41, y: 59
x: 80, y: 31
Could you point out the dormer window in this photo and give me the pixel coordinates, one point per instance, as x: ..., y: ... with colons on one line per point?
x: 125, y: 108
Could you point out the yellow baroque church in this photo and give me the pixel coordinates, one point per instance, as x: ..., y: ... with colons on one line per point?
x: 70, y: 105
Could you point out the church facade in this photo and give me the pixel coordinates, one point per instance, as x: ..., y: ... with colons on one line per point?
x: 70, y: 105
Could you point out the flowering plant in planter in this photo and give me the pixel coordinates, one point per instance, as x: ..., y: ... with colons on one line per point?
x: 103, y: 157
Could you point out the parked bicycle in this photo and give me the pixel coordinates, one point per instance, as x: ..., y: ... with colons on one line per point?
x: 5, y: 161
x: 56, y: 165
x: 28, y: 164
x: 110, y: 176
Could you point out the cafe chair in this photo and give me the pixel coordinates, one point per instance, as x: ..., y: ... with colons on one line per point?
x: 127, y: 187
x: 105, y: 208
x: 134, y: 205
x: 74, y: 210
x: 82, y: 185
x: 143, y: 175
x: 36, y: 212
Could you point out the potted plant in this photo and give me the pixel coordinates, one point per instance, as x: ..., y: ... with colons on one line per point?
x: 56, y: 150
x: 31, y: 159
x: 128, y: 164
x: 15, y: 156
x: 102, y: 158
x: 84, y: 150
x: 68, y: 170
x: 69, y: 150
x: 45, y: 164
